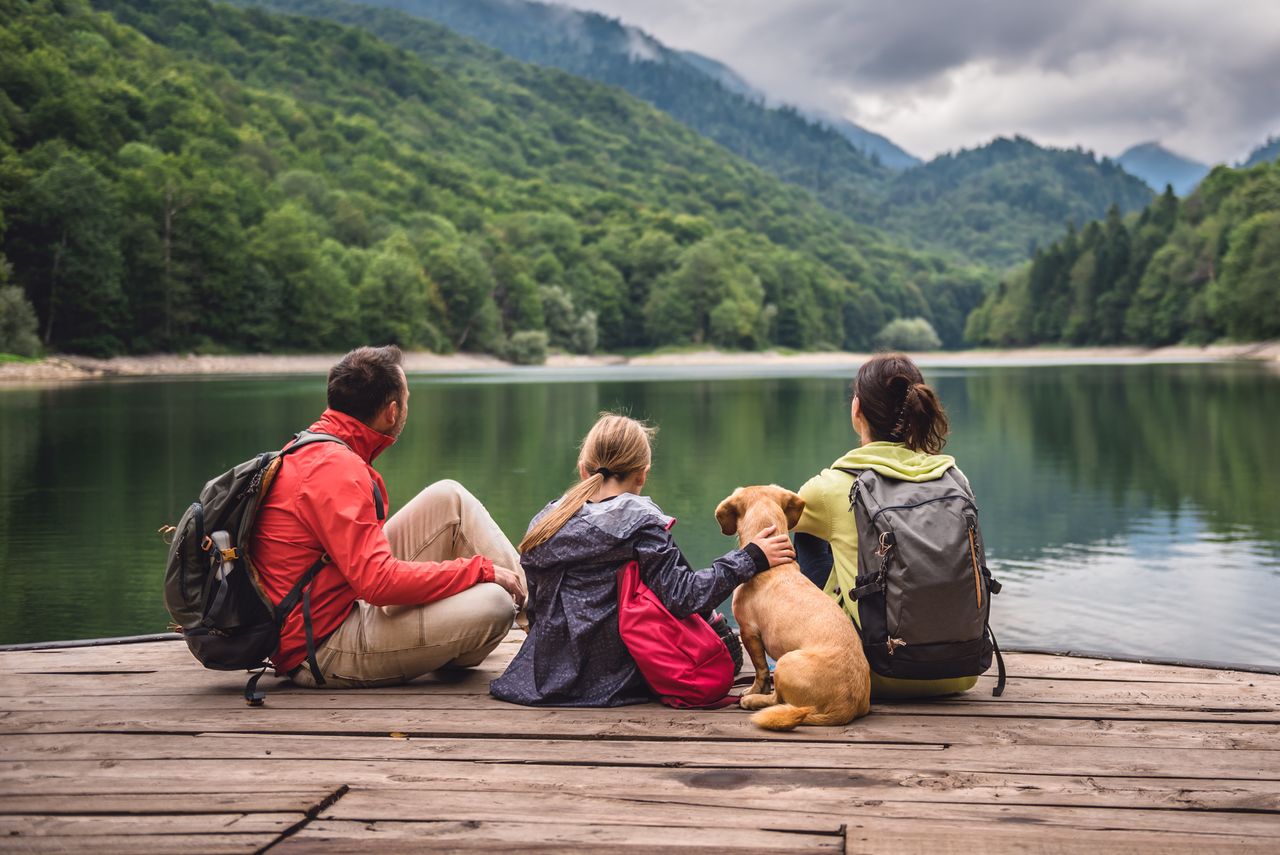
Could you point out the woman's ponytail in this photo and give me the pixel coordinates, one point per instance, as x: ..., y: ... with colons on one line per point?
x: 898, y: 405
x: 924, y: 423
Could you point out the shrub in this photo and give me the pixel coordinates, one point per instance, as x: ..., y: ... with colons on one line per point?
x: 17, y: 323
x: 527, y: 347
x: 907, y: 334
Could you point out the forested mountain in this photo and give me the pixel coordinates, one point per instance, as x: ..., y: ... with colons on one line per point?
x: 603, y: 49
x: 1268, y: 152
x: 957, y: 213
x: 1002, y: 200
x: 181, y: 175
x: 1159, y: 167
x: 1192, y: 270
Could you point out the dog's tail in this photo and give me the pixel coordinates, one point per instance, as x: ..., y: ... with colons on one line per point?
x: 781, y: 717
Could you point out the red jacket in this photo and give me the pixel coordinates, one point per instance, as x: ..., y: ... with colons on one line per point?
x: 322, y: 501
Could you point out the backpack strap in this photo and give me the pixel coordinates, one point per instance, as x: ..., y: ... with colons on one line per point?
x: 995, y: 646
x: 301, y: 590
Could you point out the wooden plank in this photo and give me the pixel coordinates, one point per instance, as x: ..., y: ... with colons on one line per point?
x: 764, y: 785
x: 171, y: 660
x: 711, y: 809
x: 155, y: 657
x: 553, y: 837
x: 650, y: 721
x: 147, y: 844
x: 45, y: 825
x: 651, y: 724
x: 59, y: 692
x: 940, y: 757
x: 899, y: 839
x: 133, y: 803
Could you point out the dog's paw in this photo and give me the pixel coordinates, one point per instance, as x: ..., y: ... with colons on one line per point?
x: 757, y: 701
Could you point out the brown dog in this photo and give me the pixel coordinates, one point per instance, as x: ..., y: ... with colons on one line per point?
x: 822, y: 676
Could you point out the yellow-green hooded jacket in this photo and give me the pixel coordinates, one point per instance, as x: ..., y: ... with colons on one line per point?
x: 827, y: 516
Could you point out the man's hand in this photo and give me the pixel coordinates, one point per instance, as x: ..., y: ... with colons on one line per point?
x: 777, y: 548
x: 511, y: 582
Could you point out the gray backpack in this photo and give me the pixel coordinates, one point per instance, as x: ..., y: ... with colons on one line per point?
x: 923, y: 588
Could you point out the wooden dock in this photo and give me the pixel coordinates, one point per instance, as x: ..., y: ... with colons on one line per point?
x: 135, y: 748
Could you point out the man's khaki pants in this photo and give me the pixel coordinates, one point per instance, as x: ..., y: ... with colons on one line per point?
x: 384, y: 646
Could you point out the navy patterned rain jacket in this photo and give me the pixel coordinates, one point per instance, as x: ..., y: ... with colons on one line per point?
x: 574, y: 655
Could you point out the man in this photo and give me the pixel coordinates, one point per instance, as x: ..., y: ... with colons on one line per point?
x: 436, y: 588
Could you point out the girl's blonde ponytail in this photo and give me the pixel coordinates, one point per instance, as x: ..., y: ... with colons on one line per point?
x: 615, y: 447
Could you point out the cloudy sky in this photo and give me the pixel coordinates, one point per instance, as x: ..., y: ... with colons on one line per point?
x: 1202, y: 77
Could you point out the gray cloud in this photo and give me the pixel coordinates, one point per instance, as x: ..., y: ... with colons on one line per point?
x: 935, y: 75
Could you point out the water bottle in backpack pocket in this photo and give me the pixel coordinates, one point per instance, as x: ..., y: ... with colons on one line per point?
x: 923, y: 588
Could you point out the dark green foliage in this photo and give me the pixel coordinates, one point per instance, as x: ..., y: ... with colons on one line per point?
x: 184, y: 175
x: 993, y: 204
x: 998, y: 202
x: 17, y: 322
x: 1190, y: 271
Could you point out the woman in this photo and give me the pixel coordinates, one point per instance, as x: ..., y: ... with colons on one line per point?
x: 902, y: 428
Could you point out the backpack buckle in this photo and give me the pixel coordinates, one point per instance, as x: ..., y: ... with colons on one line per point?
x: 886, y: 542
x: 206, y: 544
x: 230, y: 554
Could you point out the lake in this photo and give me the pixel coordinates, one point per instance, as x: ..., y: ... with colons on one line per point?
x: 1131, y: 509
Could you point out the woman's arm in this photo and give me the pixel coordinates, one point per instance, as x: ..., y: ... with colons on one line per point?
x: 684, y: 590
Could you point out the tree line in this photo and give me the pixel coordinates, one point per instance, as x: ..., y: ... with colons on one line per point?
x: 1193, y: 270
x: 191, y: 176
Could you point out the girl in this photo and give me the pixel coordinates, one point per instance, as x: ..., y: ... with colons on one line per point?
x: 571, y: 554
x: 902, y: 427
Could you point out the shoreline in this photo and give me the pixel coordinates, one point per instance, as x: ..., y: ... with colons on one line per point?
x: 75, y: 369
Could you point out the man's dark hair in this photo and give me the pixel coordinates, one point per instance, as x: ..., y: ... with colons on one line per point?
x: 366, y: 380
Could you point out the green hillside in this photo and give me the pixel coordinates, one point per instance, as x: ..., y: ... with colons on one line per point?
x: 598, y: 48
x: 992, y: 204
x: 198, y: 176
x: 1192, y: 270
x: 1002, y: 200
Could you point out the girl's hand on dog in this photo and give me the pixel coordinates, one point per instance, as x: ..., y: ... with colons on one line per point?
x: 777, y: 548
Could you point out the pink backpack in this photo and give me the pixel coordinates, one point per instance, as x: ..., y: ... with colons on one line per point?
x: 683, y: 661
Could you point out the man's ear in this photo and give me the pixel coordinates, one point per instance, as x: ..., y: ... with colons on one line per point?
x: 792, y: 506
x: 727, y: 514
x: 385, y: 418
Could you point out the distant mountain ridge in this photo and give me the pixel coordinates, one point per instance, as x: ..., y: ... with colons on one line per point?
x: 1158, y: 166
x: 1265, y: 153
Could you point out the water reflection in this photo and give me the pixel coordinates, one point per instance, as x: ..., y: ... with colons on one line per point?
x: 1127, y: 507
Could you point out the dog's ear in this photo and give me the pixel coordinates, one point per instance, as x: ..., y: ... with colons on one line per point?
x: 793, y: 507
x: 727, y: 513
